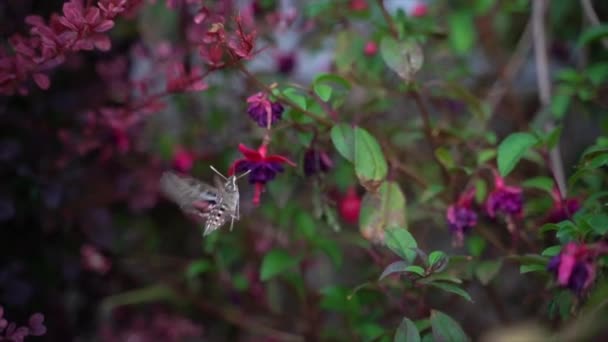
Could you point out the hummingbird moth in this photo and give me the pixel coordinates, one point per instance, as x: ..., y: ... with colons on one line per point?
x: 211, y: 205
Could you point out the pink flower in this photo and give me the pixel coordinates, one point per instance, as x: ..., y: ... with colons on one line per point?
x: 183, y: 160
x: 504, y: 199
x: 461, y: 218
x: 574, y: 267
x: 371, y: 48
x: 263, y: 168
x: 420, y: 9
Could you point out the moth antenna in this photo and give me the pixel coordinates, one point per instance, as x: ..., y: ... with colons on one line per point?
x: 219, y: 173
x: 244, y: 174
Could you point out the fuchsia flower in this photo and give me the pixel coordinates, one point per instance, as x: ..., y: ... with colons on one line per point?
x: 316, y: 161
x: 504, y: 199
x: 563, y: 209
x: 574, y: 267
x: 371, y: 48
x: 261, y: 109
x: 183, y: 160
x: 350, y: 206
x: 263, y: 167
x: 461, y: 218
x: 420, y: 9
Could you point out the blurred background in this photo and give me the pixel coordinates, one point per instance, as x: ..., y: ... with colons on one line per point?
x: 89, y: 241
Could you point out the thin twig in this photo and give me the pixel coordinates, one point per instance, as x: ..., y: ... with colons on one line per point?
x: 389, y: 19
x: 539, y: 9
x: 502, y: 84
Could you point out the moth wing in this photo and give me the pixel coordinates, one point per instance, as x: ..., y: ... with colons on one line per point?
x: 186, y: 191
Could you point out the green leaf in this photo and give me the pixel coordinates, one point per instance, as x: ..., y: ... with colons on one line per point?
x: 476, y: 245
x: 599, y: 223
x: 343, y: 137
x: 295, y: 96
x: 437, y: 257
x: 275, y: 262
x: 331, y: 249
x: 415, y: 269
x: 481, y: 190
x: 407, y: 332
x: 552, y: 251
x: 431, y: 192
x: 382, y: 210
x: 395, y: 267
x: 445, y: 329
x: 485, y: 155
x: 532, y: 268
x: 512, y: 149
x: 552, y: 139
x: 559, y: 104
x: 488, y: 270
x: 400, y: 241
x: 198, y: 267
x: 462, y: 31
x: 370, y: 166
x: 448, y: 287
x: 323, y: 91
x: 445, y: 157
x: 592, y: 34
x: 370, y: 331
x: 335, y: 298
x: 403, y: 57
x: 542, y: 183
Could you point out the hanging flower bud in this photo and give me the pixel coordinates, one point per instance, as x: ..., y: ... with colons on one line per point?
x: 461, y: 218
x: 574, y: 267
x: 563, y: 209
x: 350, y: 206
x: 285, y: 62
x: 316, y: 161
x: 371, y: 48
x: 504, y: 199
x: 183, y: 160
x: 261, y: 109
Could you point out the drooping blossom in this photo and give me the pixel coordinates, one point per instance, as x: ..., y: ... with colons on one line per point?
x: 350, y: 206
x: 358, y: 5
x: 263, y: 167
x: 10, y: 331
x: 574, y: 267
x: 420, y: 9
x: 316, y: 161
x: 183, y: 160
x: 285, y: 62
x: 93, y: 260
x: 504, y: 199
x: 371, y: 48
x: 461, y: 218
x: 562, y: 209
x: 261, y: 109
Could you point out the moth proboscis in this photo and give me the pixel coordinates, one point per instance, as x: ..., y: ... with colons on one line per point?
x: 211, y: 205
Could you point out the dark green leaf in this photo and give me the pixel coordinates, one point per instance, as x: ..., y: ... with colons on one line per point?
x: 542, y: 183
x: 415, y: 269
x: 552, y: 251
x: 599, y: 223
x: 559, y: 104
x: 445, y: 157
x: 476, y: 245
x: 485, y: 155
x: 431, y: 192
x: 437, y: 261
x: 512, y: 149
x: 400, y: 241
x: 449, y: 287
x: 445, y: 329
x: 275, y: 262
x: 395, y: 267
x: 295, y: 96
x: 532, y: 268
x: 488, y: 270
x: 592, y: 34
x: 462, y: 31
x: 198, y: 267
x: 343, y: 137
x: 407, y: 332
x: 370, y: 165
